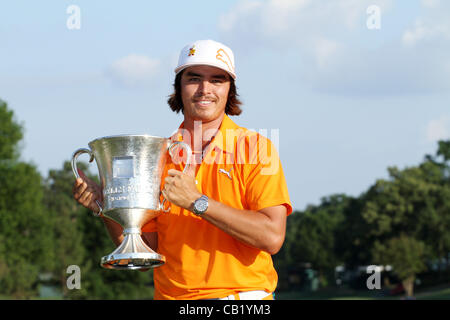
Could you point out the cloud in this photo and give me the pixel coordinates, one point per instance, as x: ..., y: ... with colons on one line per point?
x: 324, y: 51
x: 425, y: 31
x: 134, y: 70
x: 293, y: 21
x: 438, y: 129
x: 332, y: 44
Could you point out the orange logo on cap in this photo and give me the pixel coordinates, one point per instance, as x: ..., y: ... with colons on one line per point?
x: 227, y: 60
x: 191, y: 51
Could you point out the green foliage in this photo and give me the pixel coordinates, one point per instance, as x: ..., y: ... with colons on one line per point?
x: 444, y: 150
x: 10, y: 133
x: 311, y: 238
x: 23, y: 227
x: 402, y: 221
x: 315, y: 231
x: 67, y: 237
x: 25, y: 243
x: 404, y: 253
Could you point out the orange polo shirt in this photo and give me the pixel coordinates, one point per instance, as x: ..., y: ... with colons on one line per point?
x: 241, y: 169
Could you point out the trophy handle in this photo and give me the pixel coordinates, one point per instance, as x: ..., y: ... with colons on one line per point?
x: 75, y: 169
x: 188, y: 163
x: 186, y: 148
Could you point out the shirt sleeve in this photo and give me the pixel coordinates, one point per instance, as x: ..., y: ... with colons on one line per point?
x: 265, y: 181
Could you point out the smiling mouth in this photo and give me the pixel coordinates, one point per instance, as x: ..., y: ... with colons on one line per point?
x: 204, y: 102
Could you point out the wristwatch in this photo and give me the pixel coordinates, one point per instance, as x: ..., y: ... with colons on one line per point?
x: 200, y: 205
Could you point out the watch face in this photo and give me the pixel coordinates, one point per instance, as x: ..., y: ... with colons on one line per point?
x: 201, y: 205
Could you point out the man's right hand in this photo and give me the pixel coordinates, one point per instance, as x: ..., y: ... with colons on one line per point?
x: 85, y: 191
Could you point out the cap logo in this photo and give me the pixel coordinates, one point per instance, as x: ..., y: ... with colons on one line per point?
x: 225, y: 59
x: 191, y: 51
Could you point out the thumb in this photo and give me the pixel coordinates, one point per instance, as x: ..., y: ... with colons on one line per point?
x: 190, y: 170
x: 81, y: 173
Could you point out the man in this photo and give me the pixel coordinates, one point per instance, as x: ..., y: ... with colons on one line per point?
x: 228, y: 211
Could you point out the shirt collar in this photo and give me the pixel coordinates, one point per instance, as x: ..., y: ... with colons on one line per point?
x: 220, y: 139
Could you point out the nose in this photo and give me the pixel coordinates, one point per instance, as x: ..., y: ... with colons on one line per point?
x: 204, y: 87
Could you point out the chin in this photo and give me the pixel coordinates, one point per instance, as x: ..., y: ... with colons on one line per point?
x: 206, y: 115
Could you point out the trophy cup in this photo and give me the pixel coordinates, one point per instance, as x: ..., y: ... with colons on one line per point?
x: 130, y: 169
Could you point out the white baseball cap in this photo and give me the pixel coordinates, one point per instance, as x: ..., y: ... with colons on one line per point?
x: 207, y: 52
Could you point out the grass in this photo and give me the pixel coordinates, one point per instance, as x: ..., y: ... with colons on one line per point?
x: 443, y: 294
x: 436, y: 293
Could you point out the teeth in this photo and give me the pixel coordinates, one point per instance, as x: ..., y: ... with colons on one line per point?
x: 205, y: 102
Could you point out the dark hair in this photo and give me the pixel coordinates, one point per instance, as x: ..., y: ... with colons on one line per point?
x: 232, y: 107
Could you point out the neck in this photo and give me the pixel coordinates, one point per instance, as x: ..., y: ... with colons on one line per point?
x: 202, y: 132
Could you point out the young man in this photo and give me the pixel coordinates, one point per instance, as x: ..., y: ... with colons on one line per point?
x: 228, y: 211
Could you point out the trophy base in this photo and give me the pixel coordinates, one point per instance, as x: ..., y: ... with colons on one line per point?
x: 132, y: 261
x: 132, y: 254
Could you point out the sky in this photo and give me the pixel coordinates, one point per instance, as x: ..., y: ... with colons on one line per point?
x: 344, y: 88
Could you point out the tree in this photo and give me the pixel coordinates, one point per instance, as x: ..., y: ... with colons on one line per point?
x: 311, y: 237
x: 406, y: 255
x: 10, y: 133
x: 68, y: 248
x: 23, y: 226
x: 353, y: 240
x: 444, y: 150
x: 24, y: 249
x: 437, y: 224
x: 408, y: 211
x: 411, y: 211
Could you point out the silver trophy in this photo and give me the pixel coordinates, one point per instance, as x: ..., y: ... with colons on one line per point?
x: 130, y: 169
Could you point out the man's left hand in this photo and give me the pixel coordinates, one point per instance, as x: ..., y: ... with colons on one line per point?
x: 180, y: 189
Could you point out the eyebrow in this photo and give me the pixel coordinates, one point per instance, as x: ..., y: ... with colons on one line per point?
x: 216, y: 76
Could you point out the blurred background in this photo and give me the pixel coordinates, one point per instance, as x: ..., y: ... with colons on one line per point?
x: 354, y: 94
